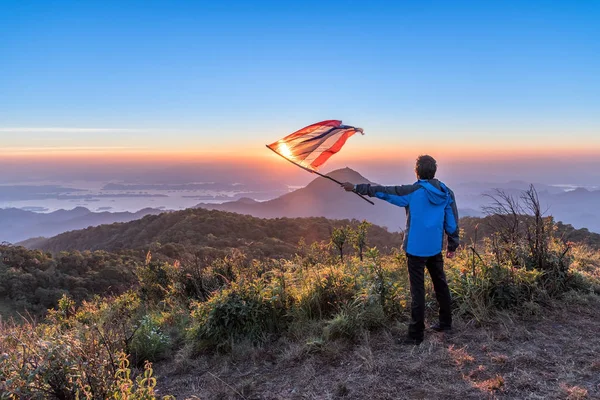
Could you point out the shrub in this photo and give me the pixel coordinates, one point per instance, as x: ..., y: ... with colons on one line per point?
x: 45, y: 361
x: 124, y: 388
x: 154, y: 279
x: 239, y: 312
x: 353, y: 319
x: 149, y: 343
x: 68, y: 360
x: 324, y: 291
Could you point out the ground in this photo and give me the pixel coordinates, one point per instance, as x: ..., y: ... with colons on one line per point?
x: 554, y: 354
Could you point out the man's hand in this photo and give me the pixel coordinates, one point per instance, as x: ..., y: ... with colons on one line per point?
x: 450, y: 254
x: 348, y: 187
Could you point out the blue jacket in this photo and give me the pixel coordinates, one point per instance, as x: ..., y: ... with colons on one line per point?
x: 430, y: 210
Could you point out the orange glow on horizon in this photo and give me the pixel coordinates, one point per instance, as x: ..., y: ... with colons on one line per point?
x: 475, y: 152
x: 128, y: 156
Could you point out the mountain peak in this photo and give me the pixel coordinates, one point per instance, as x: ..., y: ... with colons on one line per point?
x: 347, y: 175
x: 576, y: 191
x: 77, y: 211
x: 246, y: 200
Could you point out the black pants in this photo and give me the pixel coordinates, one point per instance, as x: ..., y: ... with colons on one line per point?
x: 416, y: 272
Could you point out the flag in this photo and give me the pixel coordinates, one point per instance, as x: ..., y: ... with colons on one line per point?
x: 311, y: 146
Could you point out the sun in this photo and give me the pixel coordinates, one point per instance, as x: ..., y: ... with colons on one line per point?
x: 285, y: 151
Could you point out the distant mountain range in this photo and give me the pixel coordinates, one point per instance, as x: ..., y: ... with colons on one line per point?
x: 17, y: 225
x: 320, y: 198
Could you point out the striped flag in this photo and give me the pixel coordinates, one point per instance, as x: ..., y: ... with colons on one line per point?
x: 311, y: 146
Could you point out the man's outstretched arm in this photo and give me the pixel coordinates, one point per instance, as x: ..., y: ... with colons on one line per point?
x: 397, y: 195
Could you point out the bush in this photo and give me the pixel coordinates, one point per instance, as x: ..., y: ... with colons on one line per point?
x: 45, y: 361
x: 149, y: 343
x: 324, y: 292
x: 238, y: 312
x: 353, y: 319
x: 124, y: 388
x: 154, y: 279
x: 75, y: 354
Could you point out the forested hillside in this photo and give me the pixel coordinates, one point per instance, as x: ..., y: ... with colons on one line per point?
x: 32, y: 281
x: 211, y: 233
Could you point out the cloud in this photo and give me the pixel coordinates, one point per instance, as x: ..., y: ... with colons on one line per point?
x: 64, y: 130
x: 49, y: 149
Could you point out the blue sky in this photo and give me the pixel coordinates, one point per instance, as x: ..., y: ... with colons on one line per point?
x: 232, y: 75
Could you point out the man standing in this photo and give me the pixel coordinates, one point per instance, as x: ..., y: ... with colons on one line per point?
x: 431, y: 211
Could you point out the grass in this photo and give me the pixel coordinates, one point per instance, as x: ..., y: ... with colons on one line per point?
x: 553, y: 355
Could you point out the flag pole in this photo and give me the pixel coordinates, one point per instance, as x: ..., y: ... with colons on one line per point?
x: 318, y: 173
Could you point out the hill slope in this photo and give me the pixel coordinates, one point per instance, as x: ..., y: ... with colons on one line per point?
x: 210, y: 231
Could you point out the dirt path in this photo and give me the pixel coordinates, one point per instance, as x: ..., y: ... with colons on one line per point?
x: 552, y: 356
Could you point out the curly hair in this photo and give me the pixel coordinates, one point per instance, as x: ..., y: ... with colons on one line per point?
x: 425, y: 167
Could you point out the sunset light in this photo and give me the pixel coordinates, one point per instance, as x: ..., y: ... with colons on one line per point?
x: 285, y: 151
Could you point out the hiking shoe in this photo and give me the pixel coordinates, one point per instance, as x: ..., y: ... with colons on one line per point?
x: 438, y: 327
x: 408, y: 341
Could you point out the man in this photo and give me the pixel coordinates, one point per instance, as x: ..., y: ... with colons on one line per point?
x: 431, y: 211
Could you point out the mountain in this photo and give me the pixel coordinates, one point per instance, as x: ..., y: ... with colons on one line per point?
x: 577, y: 207
x: 477, y: 188
x: 18, y: 225
x: 209, y: 232
x: 324, y: 198
x: 321, y: 198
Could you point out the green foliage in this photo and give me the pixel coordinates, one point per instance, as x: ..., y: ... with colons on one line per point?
x: 124, y: 388
x: 508, y: 280
x: 210, y: 233
x: 33, y: 281
x: 75, y: 354
x: 154, y: 279
x: 240, y: 311
x: 47, y: 361
x: 323, y: 291
x: 339, y: 237
x: 354, y: 318
x: 317, y: 253
x: 359, y: 238
x: 149, y: 343
x: 475, y: 230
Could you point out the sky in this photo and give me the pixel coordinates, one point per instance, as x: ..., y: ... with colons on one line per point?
x: 490, y: 86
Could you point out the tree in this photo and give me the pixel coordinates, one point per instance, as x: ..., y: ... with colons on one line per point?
x: 537, y: 232
x: 339, y: 237
x: 520, y: 230
x: 359, y: 238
